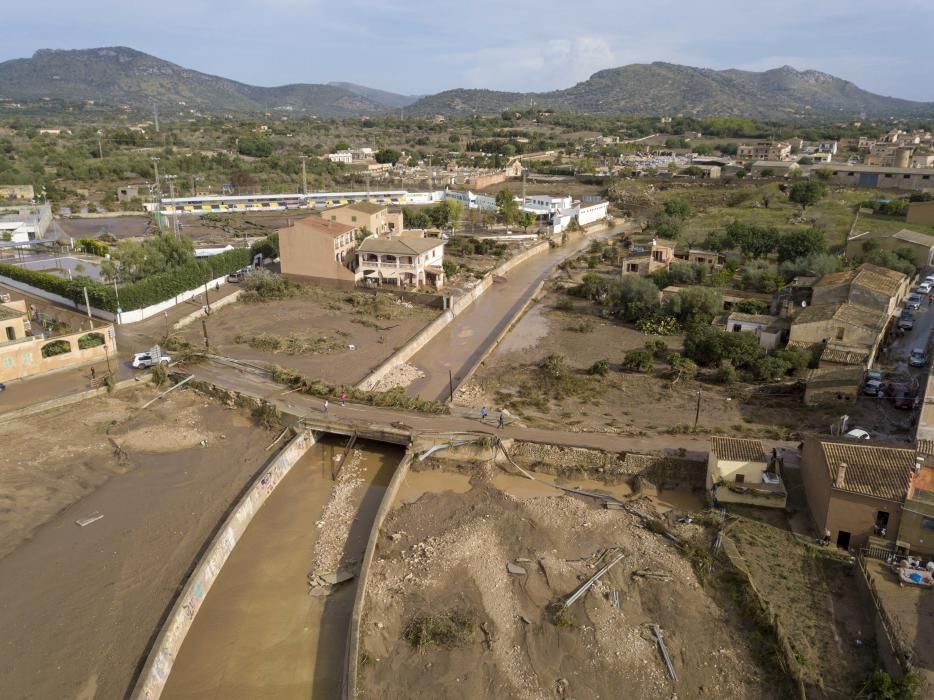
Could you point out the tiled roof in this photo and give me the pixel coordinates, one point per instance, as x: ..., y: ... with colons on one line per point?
x: 843, y: 378
x: 879, y: 279
x: 914, y: 237
x: 7, y: 312
x: 316, y: 223
x: 399, y: 246
x: 764, y: 319
x: 834, y: 278
x: 738, y: 449
x: 883, y: 472
x: 926, y: 447
x: 843, y: 356
x: 845, y: 313
x: 365, y: 207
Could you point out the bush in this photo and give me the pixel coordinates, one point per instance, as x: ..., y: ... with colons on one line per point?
x: 726, y: 374
x: 638, y: 361
x: 91, y: 340
x: 600, y: 368
x: 695, y: 304
x: 263, y: 285
x: 449, y: 629
x: 92, y: 247
x: 56, y: 347
x: 751, y: 306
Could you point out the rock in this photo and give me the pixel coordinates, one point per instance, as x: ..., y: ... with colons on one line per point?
x: 332, y: 579
x: 513, y: 569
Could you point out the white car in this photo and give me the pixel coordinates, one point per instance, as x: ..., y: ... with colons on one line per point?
x: 924, y: 287
x: 858, y: 434
x: 142, y: 360
x: 929, y: 278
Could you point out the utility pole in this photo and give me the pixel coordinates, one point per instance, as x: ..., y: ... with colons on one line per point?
x: 100, y: 144
x: 697, y: 411
x: 195, y: 179
x: 450, y: 386
x: 304, y: 175
x: 155, y: 114
x: 87, y: 305
x: 155, y: 164
x: 171, y: 179
x: 523, y: 185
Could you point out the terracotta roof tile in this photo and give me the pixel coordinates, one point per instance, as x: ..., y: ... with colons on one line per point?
x: 883, y: 472
x: 738, y: 449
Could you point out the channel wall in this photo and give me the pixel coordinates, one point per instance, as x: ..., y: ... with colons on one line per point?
x: 155, y: 673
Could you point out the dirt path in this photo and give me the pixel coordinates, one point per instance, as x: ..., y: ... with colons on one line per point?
x: 259, y: 632
x: 79, y: 604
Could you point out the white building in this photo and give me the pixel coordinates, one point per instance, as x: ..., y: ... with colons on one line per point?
x: 341, y: 157
x: 400, y: 261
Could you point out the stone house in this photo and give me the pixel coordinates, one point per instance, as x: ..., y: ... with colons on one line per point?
x: 738, y: 472
x: 920, y: 245
x: 374, y: 218
x: 855, y: 490
x: 868, y: 285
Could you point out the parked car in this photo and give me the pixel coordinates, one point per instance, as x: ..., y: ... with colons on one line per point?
x: 913, y: 302
x: 930, y: 279
x: 142, y: 360
x: 858, y: 434
x: 924, y: 287
x: 874, y: 374
x: 917, y: 358
x: 235, y: 276
x: 900, y: 396
x: 907, y: 320
x: 873, y: 387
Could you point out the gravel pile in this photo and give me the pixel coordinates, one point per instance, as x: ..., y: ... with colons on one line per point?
x: 399, y: 377
x: 338, y: 517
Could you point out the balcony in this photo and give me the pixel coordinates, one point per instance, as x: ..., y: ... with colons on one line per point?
x: 387, y: 266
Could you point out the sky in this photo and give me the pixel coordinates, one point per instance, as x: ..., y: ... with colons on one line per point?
x: 422, y: 46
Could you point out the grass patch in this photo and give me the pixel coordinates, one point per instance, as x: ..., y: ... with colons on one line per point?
x: 449, y: 629
x: 291, y: 344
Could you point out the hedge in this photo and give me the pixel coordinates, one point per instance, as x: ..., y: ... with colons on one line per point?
x: 152, y: 290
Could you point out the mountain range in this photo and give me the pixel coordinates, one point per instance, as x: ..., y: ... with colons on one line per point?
x: 124, y: 77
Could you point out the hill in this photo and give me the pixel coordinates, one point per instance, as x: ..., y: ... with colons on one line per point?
x: 670, y: 89
x: 391, y: 100
x: 121, y: 76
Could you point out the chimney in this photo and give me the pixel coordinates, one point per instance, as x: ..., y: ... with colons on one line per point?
x: 840, y: 481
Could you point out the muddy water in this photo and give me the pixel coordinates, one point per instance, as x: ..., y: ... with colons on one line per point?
x: 530, y: 329
x: 259, y: 632
x: 419, y: 483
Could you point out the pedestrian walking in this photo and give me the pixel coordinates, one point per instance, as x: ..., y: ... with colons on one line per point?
x: 502, y: 422
x: 343, y: 397
x: 325, y: 407
x: 93, y: 374
x: 483, y: 415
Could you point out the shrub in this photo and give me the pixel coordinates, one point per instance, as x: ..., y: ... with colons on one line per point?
x: 92, y: 247
x: 658, y: 348
x: 726, y: 374
x: 448, y: 629
x: 638, y: 361
x: 56, y: 347
x: 695, y: 304
x: 263, y: 285
x: 600, y: 368
x: 91, y: 340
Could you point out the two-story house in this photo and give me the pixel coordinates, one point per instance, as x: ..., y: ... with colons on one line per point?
x: 317, y: 250
x: 404, y: 262
x: 374, y: 218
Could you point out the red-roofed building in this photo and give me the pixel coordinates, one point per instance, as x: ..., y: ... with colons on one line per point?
x: 320, y: 251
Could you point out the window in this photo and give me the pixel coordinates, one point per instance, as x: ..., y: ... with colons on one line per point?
x: 927, y: 523
x: 839, y: 334
x: 354, y: 219
x: 740, y: 478
x: 10, y: 333
x: 737, y: 327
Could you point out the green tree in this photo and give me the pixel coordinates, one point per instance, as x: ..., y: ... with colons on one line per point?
x: 632, y: 297
x: 695, y: 304
x: 526, y: 219
x: 388, y: 155
x: 801, y: 244
x: 807, y: 193
x: 131, y: 261
x: 508, y: 206
x: 254, y: 146
x: 638, y: 361
x: 678, y: 208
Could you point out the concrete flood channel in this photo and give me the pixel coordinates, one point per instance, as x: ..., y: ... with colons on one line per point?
x: 259, y: 632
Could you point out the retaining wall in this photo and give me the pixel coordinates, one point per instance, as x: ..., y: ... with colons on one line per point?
x: 194, y: 316
x: 893, y: 658
x: 72, y: 398
x: 352, y: 656
x: 422, y: 338
x: 125, y: 316
x: 161, y: 657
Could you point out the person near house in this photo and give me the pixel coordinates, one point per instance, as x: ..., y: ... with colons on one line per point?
x: 826, y: 541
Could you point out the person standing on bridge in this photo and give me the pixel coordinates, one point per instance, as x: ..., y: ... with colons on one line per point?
x: 343, y: 397
x: 325, y: 407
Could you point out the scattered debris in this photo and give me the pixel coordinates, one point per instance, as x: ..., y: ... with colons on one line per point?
x: 513, y: 569
x: 614, y: 599
x: 92, y: 518
x: 661, y: 647
x: 324, y: 584
x: 654, y: 575
x: 593, y: 579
